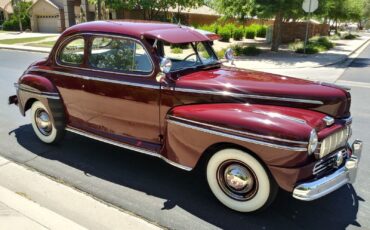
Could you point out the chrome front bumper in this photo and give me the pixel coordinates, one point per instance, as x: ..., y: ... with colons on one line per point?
x: 321, y: 187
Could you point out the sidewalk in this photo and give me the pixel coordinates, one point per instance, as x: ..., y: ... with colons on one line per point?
x: 29, y: 200
x: 285, y: 59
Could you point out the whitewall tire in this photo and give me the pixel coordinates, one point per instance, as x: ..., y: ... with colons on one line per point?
x: 239, y: 181
x: 42, y: 123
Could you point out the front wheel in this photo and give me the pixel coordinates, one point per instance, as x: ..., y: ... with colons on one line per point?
x: 43, y: 125
x: 239, y: 181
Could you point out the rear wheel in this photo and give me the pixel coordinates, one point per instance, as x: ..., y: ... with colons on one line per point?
x: 43, y: 124
x: 239, y: 181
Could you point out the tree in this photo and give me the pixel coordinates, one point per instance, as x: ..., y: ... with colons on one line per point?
x: 20, y: 8
x: 280, y: 10
x: 234, y: 8
x: 183, y: 4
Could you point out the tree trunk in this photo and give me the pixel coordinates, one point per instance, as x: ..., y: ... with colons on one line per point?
x: 276, y: 36
x: 20, y: 25
x: 99, y: 9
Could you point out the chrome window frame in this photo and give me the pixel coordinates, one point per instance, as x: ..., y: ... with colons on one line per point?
x: 84, y: 35
x: 139, y: 73
x: 63, y: 45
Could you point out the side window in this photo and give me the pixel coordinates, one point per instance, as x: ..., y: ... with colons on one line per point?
x: 119, y: 54
x: 73, y: 52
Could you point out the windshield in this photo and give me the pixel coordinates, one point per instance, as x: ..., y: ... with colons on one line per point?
x: 188, y: 55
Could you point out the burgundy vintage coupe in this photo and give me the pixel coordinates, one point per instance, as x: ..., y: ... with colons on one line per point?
x: 159, y: 89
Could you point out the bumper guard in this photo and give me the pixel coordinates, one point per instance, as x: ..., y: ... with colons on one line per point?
x: 321, y: 187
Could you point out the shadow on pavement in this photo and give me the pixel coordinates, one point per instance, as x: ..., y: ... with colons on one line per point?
x: 188, y: 190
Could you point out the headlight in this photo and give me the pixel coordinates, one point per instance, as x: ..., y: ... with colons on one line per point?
x: 312, y: 144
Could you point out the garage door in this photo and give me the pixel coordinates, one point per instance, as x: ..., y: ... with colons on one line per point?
x: 48, y: 24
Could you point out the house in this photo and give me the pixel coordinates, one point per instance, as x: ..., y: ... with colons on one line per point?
x: 6, y: 10
x: 54, y: 16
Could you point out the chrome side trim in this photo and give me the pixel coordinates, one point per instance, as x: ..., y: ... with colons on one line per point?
x: 239, y: 132
x: 282, y: 116
x: 129, y: 147
x: 297, y: 149
x: 97, y: 79
x: 41, y: 94
x: 251, y: 96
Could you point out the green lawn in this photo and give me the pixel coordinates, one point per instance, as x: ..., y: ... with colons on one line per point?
x: 48, y: 44
x: 22, y: 40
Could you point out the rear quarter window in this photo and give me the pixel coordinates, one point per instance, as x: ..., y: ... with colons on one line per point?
x: 73, y: 52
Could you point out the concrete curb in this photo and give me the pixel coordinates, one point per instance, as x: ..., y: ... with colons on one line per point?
x: 25, y: 49
x: 34, y: 212
x: 348, y: 56
x: 65, y: 201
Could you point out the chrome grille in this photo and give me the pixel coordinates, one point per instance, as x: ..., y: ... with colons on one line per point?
x: 328, y: 163
x: 333, y: 142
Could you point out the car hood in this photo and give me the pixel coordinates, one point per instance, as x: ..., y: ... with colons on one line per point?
x: 266, y: 88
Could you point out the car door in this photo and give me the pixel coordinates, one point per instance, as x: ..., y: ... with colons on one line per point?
x: 124, y: 96
x: 67, y: 76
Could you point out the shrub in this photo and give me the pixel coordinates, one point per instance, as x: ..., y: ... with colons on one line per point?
x: 238, y: 34
x: 246, y: 51
x: 237, y: 50
x: 221, y: 53
x: 250, y: 33
x: 230, y: 27
x: 296, y: 45
x: 322, y: 41
x: 251, y: 51
x: 350, y: 36
x: 225, y: 34
x: 211, y: 28
x: 309, y: 50
x: 183, y: 46
x: 176, y: 50
x: 314, y: 45
x: 335, y: 37
x: 13, y: 24
x: 261, y: 31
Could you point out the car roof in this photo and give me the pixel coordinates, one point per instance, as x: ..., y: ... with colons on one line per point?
x: 171, y: 33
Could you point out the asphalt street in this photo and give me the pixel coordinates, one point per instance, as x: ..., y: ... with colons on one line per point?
x: 166, y: 195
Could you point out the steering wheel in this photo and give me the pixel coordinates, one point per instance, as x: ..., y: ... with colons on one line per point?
x: 190, y: 56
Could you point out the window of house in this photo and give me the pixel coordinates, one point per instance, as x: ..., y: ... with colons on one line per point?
x: 119, y: 54
x: 73, y: 52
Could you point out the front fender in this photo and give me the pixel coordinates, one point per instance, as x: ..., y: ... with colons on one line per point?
x: 277, y: 135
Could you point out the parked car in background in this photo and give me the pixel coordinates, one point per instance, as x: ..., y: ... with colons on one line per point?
x: 251, y: 132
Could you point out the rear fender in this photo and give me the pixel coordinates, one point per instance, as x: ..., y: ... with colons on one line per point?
x: 32, y: 88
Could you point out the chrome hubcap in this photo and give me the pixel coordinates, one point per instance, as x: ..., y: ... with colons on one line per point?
x: 237, y: 180
x: 43, y: 122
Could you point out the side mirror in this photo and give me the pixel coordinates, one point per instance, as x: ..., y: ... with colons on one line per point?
x: 229, y: 55
x: 161, y: 78
x: 165, y: 65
